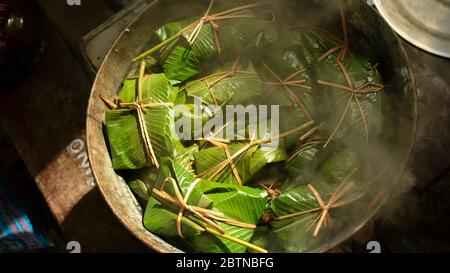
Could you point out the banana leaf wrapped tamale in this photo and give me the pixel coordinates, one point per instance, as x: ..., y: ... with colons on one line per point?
x: 186, y: 207
x: 187, y: 46
x: 350, y: 86
x: 140, y: 130
x: 304, y: 209
x: 233, y: 83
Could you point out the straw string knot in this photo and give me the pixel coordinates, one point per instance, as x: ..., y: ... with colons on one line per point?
x: 208, y: 216
x: 334, y: 202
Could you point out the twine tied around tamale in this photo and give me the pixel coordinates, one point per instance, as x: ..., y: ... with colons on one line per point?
x: 271, y: 191
x: 353, y: 92
x: 223, y: 143
x: 211, y: 19
x: 287, y: 84
x: 197, y: 26
x: 368, y: 88
x: 324, y: 208
x: 218, y: 78
x: 343, y: 46
x: 308, y: 145
x: 139, y: 105
x: 206, y: 215
x: 365, y: 89
x: 215, y: 170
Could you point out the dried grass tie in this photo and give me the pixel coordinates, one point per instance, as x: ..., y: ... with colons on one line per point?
x: 363, y: 90
x: 225, y: 145
x: 339, y: 44
x: 139, y: 105
x: 235, y: 68
x: 206, y: 215
x: 334, y: 202
x: 215, y: 170
x: 287, y: 84
x: 196, y: 27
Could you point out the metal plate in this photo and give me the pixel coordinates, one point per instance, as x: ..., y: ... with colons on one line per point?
x: 425, y: 24
x: 96, y: 43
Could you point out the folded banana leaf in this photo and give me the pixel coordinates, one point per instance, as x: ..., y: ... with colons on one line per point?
x: 305, y: 163
x: 348, y: 116
x: 247, y: 165
x: 351, y: 116
x: 241, y: 204
x: 140, y: 181
x: 314, y: 45
x: 337, y: 166
x: 284, y: 73
x: 186, y: 116
x: 123, y: 130
x: 233, y: 83
x: 295, y: 233
x: 297, y: 212
x: 292, y: 117
x: 264, y: 237
x: 182, y: 61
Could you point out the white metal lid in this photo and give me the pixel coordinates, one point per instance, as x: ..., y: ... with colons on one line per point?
x: 425, y: 24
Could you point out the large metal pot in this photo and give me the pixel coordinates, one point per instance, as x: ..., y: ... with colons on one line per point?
x: 366, y: 27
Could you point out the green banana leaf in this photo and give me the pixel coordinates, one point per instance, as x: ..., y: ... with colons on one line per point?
x: 264, y: 237
x: 314, y: 46
x: 296, y: 197
x: 208, y: 158
x: 297, y: 237
x: 282, y: 60
x: 139, y: 188
x: 234, y: 89
x: 337, y: 166
x: 155, y: 88
x: 302, y: 213
x: 292, y: 117
x: 123, y: 131
x: 187, y: 116
x: 247, y: 165
x: 296, y: 233
x: 306, y: 164
x: 125, y: 141
x: 330, y: 103
x: 160, y: 217
x: 238, y: 203
x: 179, y: 61
x: 244, y: 204
x: 364, y: 118
x: 182, y: 62
x: 140, y: 181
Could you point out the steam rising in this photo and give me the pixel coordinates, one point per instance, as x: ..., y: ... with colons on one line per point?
x: 382, y: 161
